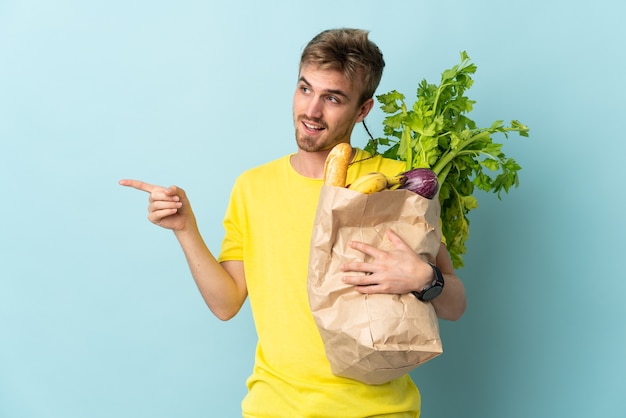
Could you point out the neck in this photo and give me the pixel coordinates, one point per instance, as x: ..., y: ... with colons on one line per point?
x: 311, y: 164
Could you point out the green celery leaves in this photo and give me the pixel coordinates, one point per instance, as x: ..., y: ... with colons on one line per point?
x: 436, y: 133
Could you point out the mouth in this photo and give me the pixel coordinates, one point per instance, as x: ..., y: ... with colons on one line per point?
x: 312, y: 127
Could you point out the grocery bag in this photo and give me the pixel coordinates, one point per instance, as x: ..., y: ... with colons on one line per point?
x: 379, y: 337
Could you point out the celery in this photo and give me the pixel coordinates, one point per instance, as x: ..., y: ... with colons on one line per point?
x: 437, y: 134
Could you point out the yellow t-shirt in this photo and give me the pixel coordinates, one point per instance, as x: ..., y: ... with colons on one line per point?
x: 268, y: 225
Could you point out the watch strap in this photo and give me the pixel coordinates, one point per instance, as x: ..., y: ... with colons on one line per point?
x: 432, y: 290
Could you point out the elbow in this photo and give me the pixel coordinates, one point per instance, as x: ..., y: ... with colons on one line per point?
x: 458, y: 311
x: 225, y: 314
x: 224, y: 310
x: 451, y: 314
x: 223, y: 317
x: 450, y: 310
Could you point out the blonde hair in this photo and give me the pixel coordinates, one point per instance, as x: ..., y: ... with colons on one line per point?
x: 350, y: 52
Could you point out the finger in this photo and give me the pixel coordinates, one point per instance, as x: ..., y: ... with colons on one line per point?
x: 139, y: 185
x: 158, y: 205
x: 359, y: 266
x: 368, y: 286
x: 368, y: 290
x: 174, y: 193
x: 360, y: 280
x: 396, y: 241
x: 161, y: 194
x: 365, y: 248
x: 157, y: 216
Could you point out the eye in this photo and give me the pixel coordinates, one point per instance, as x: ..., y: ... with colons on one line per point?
x: 305, y: 89
x: 333, y: 99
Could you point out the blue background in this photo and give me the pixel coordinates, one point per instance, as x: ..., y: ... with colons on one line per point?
x: 98, y: 314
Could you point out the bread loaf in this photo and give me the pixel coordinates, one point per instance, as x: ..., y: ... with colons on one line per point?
x: 336, y: 165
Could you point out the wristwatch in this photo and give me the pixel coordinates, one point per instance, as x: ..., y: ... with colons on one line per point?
x: 432, y: 290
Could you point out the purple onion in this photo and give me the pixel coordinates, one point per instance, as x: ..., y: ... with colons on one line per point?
x: 422, y: 181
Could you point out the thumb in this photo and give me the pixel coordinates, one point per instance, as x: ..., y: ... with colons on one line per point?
x: 175, y: 191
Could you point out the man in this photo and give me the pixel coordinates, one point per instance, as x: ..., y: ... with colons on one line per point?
x: 265, y: 251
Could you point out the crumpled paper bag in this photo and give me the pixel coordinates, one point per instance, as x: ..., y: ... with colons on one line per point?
x: 371, y: 338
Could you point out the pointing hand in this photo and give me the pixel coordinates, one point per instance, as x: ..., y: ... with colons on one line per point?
x: 168, y: 207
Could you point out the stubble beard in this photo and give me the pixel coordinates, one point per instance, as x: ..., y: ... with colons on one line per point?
x: 309, y: 143
x: 322, y: 142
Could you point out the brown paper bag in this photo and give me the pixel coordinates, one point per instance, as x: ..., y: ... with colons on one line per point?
x: 371, y: 338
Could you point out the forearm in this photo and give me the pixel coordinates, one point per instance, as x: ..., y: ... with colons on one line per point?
x: 451, y: 303
x: 223, y: 290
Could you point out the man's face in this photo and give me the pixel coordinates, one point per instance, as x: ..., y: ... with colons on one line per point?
x: 325, y: 108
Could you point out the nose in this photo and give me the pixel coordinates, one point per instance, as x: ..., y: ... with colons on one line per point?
x: 314, y: 108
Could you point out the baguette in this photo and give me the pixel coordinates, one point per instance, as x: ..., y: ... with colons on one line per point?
x: 336, y: 165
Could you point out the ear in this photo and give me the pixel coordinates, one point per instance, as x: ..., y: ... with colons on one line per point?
x: 365, y: 109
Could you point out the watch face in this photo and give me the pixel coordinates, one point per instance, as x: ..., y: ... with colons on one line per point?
x: 432, y: 293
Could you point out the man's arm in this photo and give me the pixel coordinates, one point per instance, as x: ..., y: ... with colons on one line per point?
x: 223, y: 286
x: 451, y: 303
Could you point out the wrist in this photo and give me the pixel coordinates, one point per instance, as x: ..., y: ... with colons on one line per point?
x: 433, y: 288
x: 188, y: 231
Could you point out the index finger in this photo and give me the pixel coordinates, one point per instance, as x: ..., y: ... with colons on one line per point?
x: 397, y: 240
x: 139, y: 185
x: 365, y: 248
